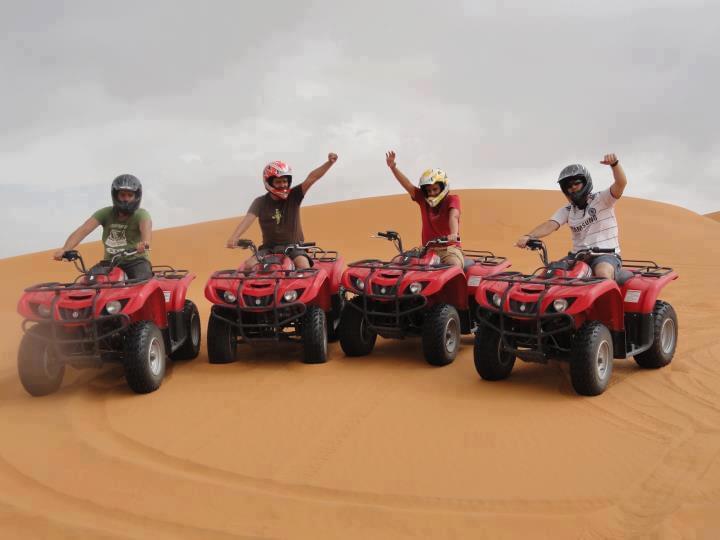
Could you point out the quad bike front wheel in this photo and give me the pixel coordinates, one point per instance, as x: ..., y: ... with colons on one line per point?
x: 591, y: 359
x: 221, y: 341
x: 441, y: 335
x: 314, y: 334
x: 145, y: 358
x: 191, y: 321
x: 41, y: 373
x: 491, y: 362
x: 665, y: 336
x: 356, y: 339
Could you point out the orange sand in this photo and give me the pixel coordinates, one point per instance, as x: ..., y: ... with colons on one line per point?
x: 383, y: 446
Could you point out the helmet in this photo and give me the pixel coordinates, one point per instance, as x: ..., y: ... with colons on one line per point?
x: 277, y: 169
x: 434, y: 176
x: 576, y: 172
x: 126, y: 182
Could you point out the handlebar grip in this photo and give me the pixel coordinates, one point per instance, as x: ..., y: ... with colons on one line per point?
x: 70, y: 255
x: 384, y: 235
x: 243, y: 243
x: 534, y: 243
x: 603, y: 250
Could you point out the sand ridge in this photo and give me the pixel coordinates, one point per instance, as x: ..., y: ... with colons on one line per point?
x: 383, y: 446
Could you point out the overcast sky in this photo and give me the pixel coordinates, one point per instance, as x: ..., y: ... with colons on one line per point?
x: 195, y: 97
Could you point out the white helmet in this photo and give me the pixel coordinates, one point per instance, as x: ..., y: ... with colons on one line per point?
x: 434, y: 176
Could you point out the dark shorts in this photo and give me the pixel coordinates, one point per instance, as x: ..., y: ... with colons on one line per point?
x: 293, y: 253
x: 612, y: 260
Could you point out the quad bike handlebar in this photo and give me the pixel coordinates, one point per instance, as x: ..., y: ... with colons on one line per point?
x: 394, y: 237
x: 74, y: 256
x: 538, y: 245
x: 244, y: 243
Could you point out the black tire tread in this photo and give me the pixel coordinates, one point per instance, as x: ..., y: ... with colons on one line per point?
x: 349, y: 331
x: 221, y: 342
x: 485, y: 353
x: 654, y: 357
x: 314, y: 330
x: 189, y: 350
x: 32, y: 375
x: 582, y: 371
x: 433, y: 336
x: 137, y: 372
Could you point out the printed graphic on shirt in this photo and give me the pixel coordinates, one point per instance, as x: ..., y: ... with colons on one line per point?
x: 277, y: 216
x: 116, y: 240
x: 593, y: 226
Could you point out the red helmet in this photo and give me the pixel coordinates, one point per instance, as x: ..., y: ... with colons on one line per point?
x: 277, y: 169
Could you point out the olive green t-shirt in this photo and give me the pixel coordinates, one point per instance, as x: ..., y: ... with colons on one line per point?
x: 118, y: 234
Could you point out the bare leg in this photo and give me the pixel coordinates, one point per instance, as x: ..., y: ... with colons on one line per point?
x: 604, y: 270
x: 301, y: 262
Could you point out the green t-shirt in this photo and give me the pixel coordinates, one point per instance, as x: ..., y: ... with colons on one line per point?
x: 118, y: 234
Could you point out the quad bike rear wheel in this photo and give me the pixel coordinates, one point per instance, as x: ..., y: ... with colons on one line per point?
x: 356, y: 339
x: 145, y: 358
x: 191, y: 320
x: 41, y: 373
x: 221, y: 341
x: 665, y: 332
x: 491, y: 362
x: 441, y: 335
x: 591, y: 360
x: 314, y: 333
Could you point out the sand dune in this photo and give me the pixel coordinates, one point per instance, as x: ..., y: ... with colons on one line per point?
x: 714, y: 215
x: 383, y: 446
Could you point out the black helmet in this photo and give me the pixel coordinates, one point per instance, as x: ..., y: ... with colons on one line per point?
x: 126, y: 182
x: 576, y: 172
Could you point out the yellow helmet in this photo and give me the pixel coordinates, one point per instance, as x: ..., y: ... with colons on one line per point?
x: 434, y: 176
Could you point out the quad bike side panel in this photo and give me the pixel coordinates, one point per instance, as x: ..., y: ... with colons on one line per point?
x: 640, y: 292
x: 175, y: 291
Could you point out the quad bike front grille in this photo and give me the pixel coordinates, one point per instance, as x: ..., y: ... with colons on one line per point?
x: 258, y: 301
x: 74, y: 314
x: 523, y: 307
x: 384, y: 290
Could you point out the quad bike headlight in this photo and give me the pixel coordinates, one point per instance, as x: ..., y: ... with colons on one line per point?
x: 290, y: 296
x: 415, y: 287
x: 358, y: 283
x: 229, y: 297
x: 43, y: 310
x: 560, y: 304
x: 496, y: 300
x: 113, y: 307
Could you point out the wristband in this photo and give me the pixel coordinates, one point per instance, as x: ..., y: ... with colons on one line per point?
x: 615, y: 164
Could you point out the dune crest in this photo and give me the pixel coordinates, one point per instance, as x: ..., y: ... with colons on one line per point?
x: 382, y: 446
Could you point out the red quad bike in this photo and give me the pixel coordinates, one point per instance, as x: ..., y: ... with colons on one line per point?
x: 103, y: 316
x: 561, y: 311
x: 274, y: 301
x: 413, y: 294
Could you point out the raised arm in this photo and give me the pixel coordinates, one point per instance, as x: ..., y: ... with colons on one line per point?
x: 454, y: 224
x: 318, y: 173
x: 77, y: 236
x: 243, y: 226
x: 404, y: 181
x: 541, y: 230
x: 618, y: 174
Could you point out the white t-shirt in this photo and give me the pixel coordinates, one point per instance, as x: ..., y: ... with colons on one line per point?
x: 595, y: 226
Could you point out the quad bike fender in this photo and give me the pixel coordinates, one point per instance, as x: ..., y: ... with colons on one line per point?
x: 175, y: 291
x: 451, y: 290
x: 335, y: 271
x: 148, y: 305
x: 640, y: 292
x: 606, y: 306
x: 478, y: 271
x: 319, y: 291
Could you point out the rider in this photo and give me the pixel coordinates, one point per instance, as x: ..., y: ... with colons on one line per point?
x: 440, y: 211
x: 590, y: 216
x: 126, y: 227
x: 279, y: 212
